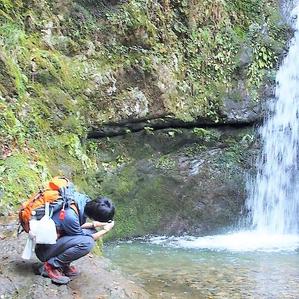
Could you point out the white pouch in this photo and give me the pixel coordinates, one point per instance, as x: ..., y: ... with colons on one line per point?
x: 29, y: 248
x: 44, y: 230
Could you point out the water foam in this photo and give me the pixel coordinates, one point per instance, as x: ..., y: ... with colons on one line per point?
x: 243, y: 241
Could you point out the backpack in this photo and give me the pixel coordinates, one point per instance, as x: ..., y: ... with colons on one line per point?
x: 58, y: 193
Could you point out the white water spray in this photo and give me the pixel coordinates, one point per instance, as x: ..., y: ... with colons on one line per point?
x: 274, y: 196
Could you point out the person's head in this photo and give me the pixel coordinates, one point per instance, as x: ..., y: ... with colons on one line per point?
x: 100, y: 209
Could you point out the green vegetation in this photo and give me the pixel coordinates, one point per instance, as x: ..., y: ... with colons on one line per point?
x: 198, y: 46
x: 66, y: 66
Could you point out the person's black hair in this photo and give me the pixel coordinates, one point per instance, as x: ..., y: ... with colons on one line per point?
x: 100, y: 209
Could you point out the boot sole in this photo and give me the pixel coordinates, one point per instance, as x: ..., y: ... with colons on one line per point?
x: 43, y: 273
x: 72, y: 275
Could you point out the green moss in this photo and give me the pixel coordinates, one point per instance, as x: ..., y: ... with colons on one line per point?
x: 58, y: 81
x: 12, y: 81
x: 19, y: 78
x: 206, y: 134
x: 98, y: 248
x: 19, y: 178
x: 141, y: 201
x: 165, y: 162
x: 205, y: 40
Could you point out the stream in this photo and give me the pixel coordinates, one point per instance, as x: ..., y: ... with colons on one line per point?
x: 167, y: 268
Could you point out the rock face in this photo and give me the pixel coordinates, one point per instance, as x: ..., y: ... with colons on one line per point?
x: 177, y: 181
x: 76, y: 69
x: 245, y: 110
x: 97, y: 277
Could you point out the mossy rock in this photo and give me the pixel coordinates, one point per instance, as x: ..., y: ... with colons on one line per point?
x: 197, y: 185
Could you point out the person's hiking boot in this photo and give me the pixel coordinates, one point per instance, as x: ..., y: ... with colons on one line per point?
x: 55, y: 274
x: 70, y: 271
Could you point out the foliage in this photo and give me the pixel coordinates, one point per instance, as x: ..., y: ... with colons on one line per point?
x: 263, y: 59
x: 206, y: 135
x: 66, y: 66
x: 165, y: 162
x: 204, y: 40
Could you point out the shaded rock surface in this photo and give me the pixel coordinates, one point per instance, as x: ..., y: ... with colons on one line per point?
x: 177, y: 181
x: 97, y: 279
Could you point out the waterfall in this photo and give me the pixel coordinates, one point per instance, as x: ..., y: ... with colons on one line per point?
x: 273, y: 199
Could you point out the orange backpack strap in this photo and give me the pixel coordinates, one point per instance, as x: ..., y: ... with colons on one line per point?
x: 26, y: 210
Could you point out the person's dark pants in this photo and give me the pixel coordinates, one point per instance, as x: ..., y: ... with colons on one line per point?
x: 66, y: 250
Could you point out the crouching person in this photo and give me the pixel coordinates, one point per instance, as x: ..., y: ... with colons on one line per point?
x: 76, y: 237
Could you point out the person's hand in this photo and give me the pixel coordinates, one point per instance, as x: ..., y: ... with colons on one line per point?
x: 98, y: 224
x: 108, y: 226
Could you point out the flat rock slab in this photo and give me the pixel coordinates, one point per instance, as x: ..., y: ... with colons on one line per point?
x: 98, y: 278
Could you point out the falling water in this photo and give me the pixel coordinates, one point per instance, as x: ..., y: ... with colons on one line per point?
x: 274, y: 196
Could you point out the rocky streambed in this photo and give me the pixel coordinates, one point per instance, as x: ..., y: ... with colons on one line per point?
x: 19, y: 279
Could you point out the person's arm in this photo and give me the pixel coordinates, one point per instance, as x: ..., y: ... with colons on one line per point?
x: 106, y: 228
x: 93, y: 224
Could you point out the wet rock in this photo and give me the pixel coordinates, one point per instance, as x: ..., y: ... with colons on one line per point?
x: 245, y: 56
x: 190, y: 182
x: 136, y: 104
x: 239, y: 107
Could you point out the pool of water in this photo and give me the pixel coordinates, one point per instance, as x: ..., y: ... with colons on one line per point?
x: 174, y: 271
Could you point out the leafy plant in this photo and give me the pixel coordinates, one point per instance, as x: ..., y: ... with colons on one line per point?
x: 264, y: 59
